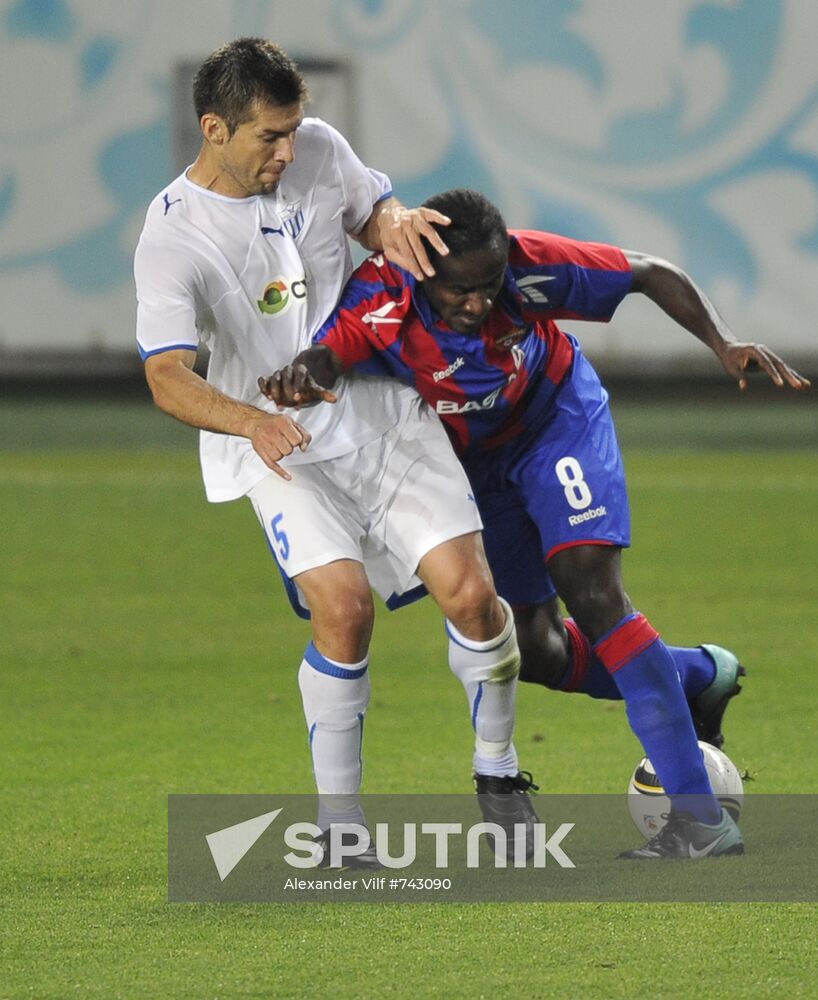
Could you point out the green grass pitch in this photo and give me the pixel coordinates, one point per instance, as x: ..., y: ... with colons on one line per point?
x: 146, y: 649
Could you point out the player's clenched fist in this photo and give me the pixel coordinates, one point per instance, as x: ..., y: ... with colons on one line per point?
x: 274, y: 436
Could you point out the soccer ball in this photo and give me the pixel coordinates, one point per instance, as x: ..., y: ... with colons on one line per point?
x: 649, y: 805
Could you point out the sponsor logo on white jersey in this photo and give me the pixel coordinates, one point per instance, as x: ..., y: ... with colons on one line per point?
x: 530, y: 290
x: 279, y: 295
x: 457, y: 363
x: 587, y: 515
x: 452, y: 406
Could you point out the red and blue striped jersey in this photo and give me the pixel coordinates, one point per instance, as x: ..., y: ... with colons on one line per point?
x: 490, y: 387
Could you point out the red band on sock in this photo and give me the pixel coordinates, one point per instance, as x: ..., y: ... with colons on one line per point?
x: 580, y: 656
x: 626, y: 642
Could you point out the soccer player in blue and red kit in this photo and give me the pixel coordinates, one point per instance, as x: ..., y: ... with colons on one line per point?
x: 530, y: 421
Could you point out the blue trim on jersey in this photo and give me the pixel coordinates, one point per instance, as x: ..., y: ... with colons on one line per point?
x: 313, y: 727
x: 163, y: 350
x: 384, y: 196
x: 325, y: 666
x: 395, y: 601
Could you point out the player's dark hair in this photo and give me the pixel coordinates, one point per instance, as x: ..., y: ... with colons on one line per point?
x: 237, y: 75
x: 476, y: 223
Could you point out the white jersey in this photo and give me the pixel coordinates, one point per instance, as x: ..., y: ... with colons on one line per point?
x: 252, y: 279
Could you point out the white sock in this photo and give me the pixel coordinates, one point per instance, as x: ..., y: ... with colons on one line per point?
x: 335, y: 698
x: 488, y: 671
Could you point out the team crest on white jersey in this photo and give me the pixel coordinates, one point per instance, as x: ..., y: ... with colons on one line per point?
x: 280, y: 294
x: 292, y: 218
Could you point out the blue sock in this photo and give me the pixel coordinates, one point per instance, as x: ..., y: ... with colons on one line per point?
x: 646, y: 676
x: 695, y: 667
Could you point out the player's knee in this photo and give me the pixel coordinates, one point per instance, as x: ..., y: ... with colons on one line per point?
x: 471, y: 606
x: 493, y: 658
x: 343, y: 624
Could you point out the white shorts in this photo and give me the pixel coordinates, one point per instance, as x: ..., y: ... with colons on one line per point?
x: 385, y: 505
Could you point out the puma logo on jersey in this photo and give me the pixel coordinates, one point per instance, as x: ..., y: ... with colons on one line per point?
x: 530, y: 291
x: 457, y: 363
x: 451, y: 407
x: 168, y: 203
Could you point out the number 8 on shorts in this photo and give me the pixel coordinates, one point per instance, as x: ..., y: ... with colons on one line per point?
x: 577, y: 492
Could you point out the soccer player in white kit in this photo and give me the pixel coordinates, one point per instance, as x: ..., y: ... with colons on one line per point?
x: 246, y: 252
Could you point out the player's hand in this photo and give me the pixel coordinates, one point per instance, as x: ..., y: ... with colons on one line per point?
x: 294, y: 386
x: 401, y: 229
x: 740, y: 359
x: 276, y: 435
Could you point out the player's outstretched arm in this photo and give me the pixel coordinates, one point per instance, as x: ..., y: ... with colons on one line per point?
x: 680, y: 297
x: 398, y: 231
x: 305, y: 382
x: 183, y: 394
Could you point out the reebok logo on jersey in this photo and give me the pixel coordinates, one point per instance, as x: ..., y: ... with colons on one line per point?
x: 279, y: 295
x: 457, y: 363
x: 587, y: 515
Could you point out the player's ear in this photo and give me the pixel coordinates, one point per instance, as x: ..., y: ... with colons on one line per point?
x: 214, y: 129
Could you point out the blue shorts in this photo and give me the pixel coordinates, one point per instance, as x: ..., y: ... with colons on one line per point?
x: 558, y: 485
